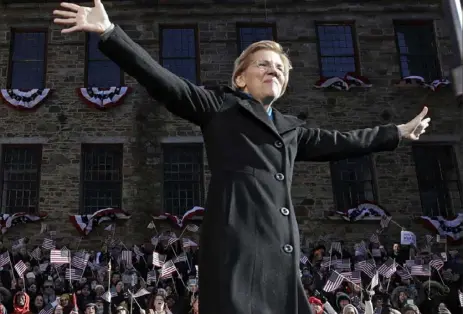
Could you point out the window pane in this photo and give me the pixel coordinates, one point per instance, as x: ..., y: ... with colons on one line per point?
x: 28, y: 46
x: 353, y: 182
x: 27, y: 75
x: 417, y: 47
x: 183, y: 177
x: 185, y: 68
x: 92, y: 47
x: 337, y: 52
x: 102, y: 177
x: 178, y: 52
x: 178, y: 43
x: 21, y: 169
x: 103, y: 74
x: 249, y: 35
x: 438, y: 182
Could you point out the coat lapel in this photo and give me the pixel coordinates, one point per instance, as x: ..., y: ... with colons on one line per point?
x: 284, y: 123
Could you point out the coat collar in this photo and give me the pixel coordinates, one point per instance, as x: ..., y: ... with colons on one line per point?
x: 280, y: 124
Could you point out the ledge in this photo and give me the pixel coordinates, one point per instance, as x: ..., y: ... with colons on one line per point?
x: 335, y: 217
x: 23, y: 140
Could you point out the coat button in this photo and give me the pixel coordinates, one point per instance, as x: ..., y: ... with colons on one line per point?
x: 278, y: 144
x: 284, y: 211
x: 279, y: 177
x: 288, y: 248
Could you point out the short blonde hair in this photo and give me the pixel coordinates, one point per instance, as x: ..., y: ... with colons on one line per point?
x: 244, y: 60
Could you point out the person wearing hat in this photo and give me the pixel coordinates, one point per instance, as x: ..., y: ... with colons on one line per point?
x: 316, y: 304
x: 90, y: 308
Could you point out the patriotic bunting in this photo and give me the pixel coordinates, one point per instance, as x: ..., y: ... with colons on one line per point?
x: 420, y: 81
x: 363, y: 211
x: 350, y: 80
x: 7, y: 220
x: 452, y: 229
x: 24, y: 100
x: 102, y: 99
x: 84, y: 223
x: 194, y: 214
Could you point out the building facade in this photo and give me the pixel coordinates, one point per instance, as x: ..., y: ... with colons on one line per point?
x: 66, y: 157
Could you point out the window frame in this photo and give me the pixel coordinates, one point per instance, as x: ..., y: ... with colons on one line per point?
x: 202, y: 191
x: 84, y: 148
x: 87, y: 60
x: 374, y: 183
x: 455, y: 163
x: 38, y: 148
x: 197, y: 48
x: 14, y: 31
x: 240, y: 25
x: 434, y: 36
x: 352, y: 24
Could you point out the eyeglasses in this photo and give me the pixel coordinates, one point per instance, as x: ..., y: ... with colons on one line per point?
x: 268, y: 65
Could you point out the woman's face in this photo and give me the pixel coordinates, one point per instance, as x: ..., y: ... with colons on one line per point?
x: 264, y: 77
x: 316, y: 308
x: 64, y: 301
x: 402, y: 296
x: 58, y: 309
x: 38, y: 302
x: 159, y: 303
x: 119, y: 286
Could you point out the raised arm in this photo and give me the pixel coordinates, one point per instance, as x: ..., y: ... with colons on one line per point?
x: 323, y: 145
x: 180, y: 96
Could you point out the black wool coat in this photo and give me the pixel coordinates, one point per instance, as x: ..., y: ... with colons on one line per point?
x: 249, y: 257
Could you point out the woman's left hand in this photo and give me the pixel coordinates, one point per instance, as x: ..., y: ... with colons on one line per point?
x: 414, y: 128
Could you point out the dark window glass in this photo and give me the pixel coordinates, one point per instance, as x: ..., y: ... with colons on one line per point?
x: 21, y: 178
x: 438, y: 179
x: 101, y: 72
x: 337, y: 50
x: 101, y: 177
x: 249, y: 35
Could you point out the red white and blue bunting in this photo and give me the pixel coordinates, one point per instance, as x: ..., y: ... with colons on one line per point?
x: 84, y: 223
x: 350, y: 80
x: 194, y: 214
x: 24, y: 100
x: 414, y: 80
x: 363, y: 211
x: 452, y: 229
x: 7, y: 220
x: 102, y: 98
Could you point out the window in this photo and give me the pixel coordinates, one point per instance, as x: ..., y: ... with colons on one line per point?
x: 101, y: 177
x: 251, y: 33
x: 100, y: 71
x: 438, y: 179
x: 179, y: 52
x: 27, y: 59
x: 183, y: 177
x: 20, y: 178
x: 353, y: 182
x: 337, y: 50
x: 416, y: 44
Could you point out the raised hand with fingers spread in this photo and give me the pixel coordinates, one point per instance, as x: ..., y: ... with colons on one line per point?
x: 79, y: 18
x: 414, y: 128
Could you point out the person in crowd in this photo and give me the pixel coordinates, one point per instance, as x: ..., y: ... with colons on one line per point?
x: 21, y: 303
x: 38, y: 304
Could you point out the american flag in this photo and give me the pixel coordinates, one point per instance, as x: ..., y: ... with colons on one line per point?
x: 127, y: 257
x: 80, y: 262
x: 421, y: 270
x: 388, y: 268
x: 336, y: 247
x: 158, y: 259
x: 180, y: 258
x: 343, y: 264
x: 48, y: 244
x: 154, y: 241
x: 4, y: 259
x: 20, y: 268
x: 188, y: 243
x: 137, y: 251
x: 347, y: 275
x: 385, y: 220
x: 151, y: 277
x: 60, y: 257
x: 436, y: 263
x: 334, y: 282
x: 429, y: 238
x: 356, y: 277
x: 404, y: 274
x: 168, y: 269
x: 304, y: 259
x: 48, y: 309
x: 409, y: 263
x: 367, y: 267
x: 192, y: 228
x: 460, y: 298
x: 171, y: 240
x: 35, y: 254
x: 18, y: 243
x: 360, y: 249
x: 74, y: 274
x: 43, y: 267
x: 374, y: 238
x: 141, y: 292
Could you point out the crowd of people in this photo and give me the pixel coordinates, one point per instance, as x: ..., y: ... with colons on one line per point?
x: 161, y: 277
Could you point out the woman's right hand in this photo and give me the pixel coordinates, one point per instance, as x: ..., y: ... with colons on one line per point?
x: 79, y: 18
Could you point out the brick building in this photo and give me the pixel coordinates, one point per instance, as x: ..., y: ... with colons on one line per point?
x: 68, y: 158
